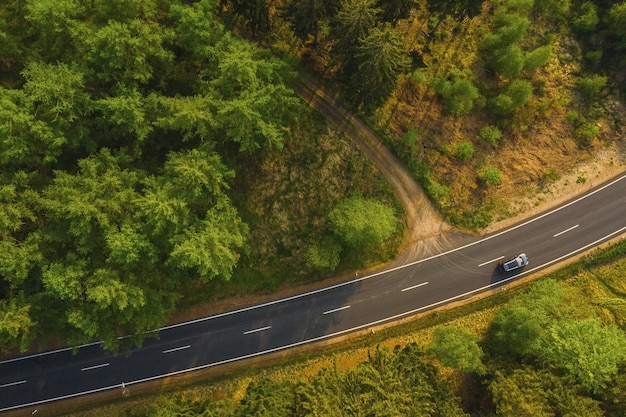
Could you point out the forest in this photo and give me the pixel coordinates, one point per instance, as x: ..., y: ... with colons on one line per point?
x: 147, y: 153
x: 153, y: 155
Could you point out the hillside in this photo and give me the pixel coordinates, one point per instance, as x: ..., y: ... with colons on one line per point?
x: 496, y: 99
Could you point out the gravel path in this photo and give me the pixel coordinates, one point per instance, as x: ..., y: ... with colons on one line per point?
x: 424, y: 224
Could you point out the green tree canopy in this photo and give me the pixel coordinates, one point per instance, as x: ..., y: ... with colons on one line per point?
x: 305, y: 16
x: 458, y: 95
x: 362, y: 222
x: 381, y: 57
x: 458, y: 349
x: 589, y: 350
x: 350, y: 26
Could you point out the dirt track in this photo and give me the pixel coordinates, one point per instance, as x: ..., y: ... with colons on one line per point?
x: 423, y: 222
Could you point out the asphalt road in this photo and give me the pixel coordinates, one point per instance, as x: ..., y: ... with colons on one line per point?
x: 468, y: 267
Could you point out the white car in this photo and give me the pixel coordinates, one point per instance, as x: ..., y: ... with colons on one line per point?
x: 518, y: 261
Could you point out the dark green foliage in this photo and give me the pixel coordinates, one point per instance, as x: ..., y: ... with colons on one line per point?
x: 516, y: 331
x: 508, y: 62
x: 350, y: 26
x: 254, y: 13
x: 515, y: 95
x: 305, y: 16
x: 454, y: 8
x: 509, y: 29
x: 587, y: 17
x: 361, y: 222
x: 591, y: 86
x: 394, y: 10
x: 380, y: 58
x: 616, y: 22
x: 556, y: 10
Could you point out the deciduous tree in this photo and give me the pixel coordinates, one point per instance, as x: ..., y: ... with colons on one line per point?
x: 458, y: 349
x: 361, y: 222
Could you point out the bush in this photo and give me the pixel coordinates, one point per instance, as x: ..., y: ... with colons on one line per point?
x: 515, y: 95
x: 587, y: 19
x: 508, y: 62
x: 502, y: 104
x: 458, y: 96
x: 323, y: 255
x: 491, y: 135
x: 437, y: 191
x: 490, y: 176
x: 591, y: 131
x: 591, y: 86
x: 520, y: 92
x: 362, y: 222
x: 537, y: 58
x: 464, y: 150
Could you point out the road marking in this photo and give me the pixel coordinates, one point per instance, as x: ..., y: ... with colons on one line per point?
x: 89, y: 368
x: 415, y: 286
x: 12, y: 384
x: 257, y: 330
x: 491, y: 261
x: 176, y: 349
x: 566, y: 230
x: 336, y: 310
x: 317, y: 338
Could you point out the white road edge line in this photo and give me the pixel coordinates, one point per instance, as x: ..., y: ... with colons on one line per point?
x: 226, y: 313
x: 415, y: 286
x: 12, y: 384
x: 257, y: 330
x: 318, y: 338
x: 89, y: 368
x: 565, y: 231
x: 176, y: 349
x: 336, y: 310
x: 491, y: 261
x: 293, y: 297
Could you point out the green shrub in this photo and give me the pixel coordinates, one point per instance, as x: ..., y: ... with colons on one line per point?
x: 458, y: 96
x: 594, y: 56
x: 490, y: 176
x: 437, y: 191
x: 537, y: 58
x: 490, y: 134
x: 591, y: 86
x: 591, y: 131
x: 323, y: 255
x: 464, y: 150
x: 508, y: 62
x: 587, y: 18
x: 362, y: 222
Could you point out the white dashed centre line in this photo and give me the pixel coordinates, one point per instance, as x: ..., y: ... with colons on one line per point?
x: 491, y: 261
x: 565, y: 231
x: 13, y: 384
x: 176, y: 349
x: 89, y: 368
x: 258, y: 330
x: 415, y: 286
x: 336, y: 310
